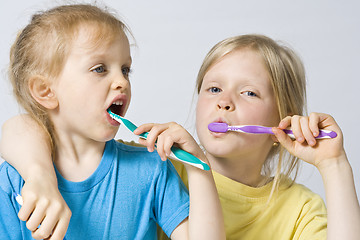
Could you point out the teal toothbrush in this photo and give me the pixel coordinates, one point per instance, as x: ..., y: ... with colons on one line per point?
x: 176, y: 153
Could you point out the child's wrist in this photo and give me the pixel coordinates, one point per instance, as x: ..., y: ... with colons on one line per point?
x: 334, y: 165
x: 39, y: 172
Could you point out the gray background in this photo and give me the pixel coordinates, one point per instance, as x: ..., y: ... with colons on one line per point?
x: 174, y: 36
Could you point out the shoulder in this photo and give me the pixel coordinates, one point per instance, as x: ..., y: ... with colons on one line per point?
x: 137, y: 155
x: 135, y: 151
x: 10, y: 179
x: 302, y: 192
x: 309, y: 211
x: 301, y: 197
x: 133, y: 148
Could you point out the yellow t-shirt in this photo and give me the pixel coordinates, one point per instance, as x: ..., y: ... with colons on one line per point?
x: 294, y: 212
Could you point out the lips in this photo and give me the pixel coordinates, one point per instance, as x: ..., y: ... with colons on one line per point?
x: 221, y: 120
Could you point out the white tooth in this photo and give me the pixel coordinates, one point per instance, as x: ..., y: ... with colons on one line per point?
x: 118, y: 102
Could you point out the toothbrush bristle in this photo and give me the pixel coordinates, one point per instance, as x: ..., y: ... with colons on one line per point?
x: 219, y: 127
x: 114, y: 115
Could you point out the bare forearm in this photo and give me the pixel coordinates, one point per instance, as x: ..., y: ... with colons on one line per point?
x: 205, y: 217
x: 342, y: 202
x: 25, y: 146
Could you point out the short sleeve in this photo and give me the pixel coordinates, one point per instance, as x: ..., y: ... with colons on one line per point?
x: 172, y: 199
x: 11, y: 227
x: 312, y: 222
x: 9, y: 222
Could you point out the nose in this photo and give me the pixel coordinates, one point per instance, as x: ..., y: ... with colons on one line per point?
x: 225, y: 103
x: 120, y: 82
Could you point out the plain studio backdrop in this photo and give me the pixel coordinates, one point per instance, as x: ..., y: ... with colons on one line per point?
x: 173, y: 38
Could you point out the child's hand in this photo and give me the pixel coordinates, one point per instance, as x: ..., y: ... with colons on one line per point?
x: 43, y: 204
x: 166, y: 135
x: 319, y: 153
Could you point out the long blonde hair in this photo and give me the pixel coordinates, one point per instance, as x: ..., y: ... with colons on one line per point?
x: 287, y: 77
x: 42, y: 47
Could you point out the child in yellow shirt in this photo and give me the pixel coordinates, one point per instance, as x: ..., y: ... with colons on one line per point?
x: 252, y: 80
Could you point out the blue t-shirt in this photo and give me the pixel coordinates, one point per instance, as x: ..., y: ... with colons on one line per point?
x: 130, y: 191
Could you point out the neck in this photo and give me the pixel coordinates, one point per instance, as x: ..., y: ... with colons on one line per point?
x: 77, y: 158
x: 243, y: 169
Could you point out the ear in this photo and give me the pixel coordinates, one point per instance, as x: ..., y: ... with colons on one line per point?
x: 41, y: 91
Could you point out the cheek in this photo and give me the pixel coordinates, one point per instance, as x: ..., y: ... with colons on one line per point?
x: 257, y: 115
x: 268, y: 116
x: 128, y: 102
x: 202, y: 107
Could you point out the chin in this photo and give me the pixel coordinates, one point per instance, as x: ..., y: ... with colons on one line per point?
x: 108, y: 136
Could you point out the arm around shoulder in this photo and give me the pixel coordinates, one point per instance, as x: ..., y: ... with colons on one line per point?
x: 25, y: 146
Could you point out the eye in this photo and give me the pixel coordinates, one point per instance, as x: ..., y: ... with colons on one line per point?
x: 249, y: 94
x: 214, y: 90
x: 126, y: 71
x: 98, y: 69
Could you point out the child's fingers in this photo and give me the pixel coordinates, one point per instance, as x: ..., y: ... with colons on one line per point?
x: 142, y: 141
x: 283, y: 138
x: 152, y: 136
x: 167, y: 141
x: 60, y: 229
x: 36, y: 217
x: 314, y: 120
x: 167, y: 146
x: 285, y: 123
x: 27, y: 208
x: 149, y: 142
x: 54, y: 213
x: 41, y: 233
x: 143, y: 128
x: 296, y: 128
x: 160, y: 147
x: 306, y: 131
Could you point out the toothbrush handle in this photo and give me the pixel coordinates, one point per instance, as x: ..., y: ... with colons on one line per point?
x: 183, y: 156
x: 322, y: 134
x: 267, y: 130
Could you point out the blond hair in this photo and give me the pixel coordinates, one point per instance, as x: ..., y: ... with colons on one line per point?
x: 287, y: 77
x: 42, y: 47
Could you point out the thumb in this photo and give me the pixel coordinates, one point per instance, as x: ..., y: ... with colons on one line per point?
x: 283, y: 138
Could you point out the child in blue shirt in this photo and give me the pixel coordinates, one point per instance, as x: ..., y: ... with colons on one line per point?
x: 68, y: 66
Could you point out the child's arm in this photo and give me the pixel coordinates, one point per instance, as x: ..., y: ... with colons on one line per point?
x: 205, y: 219
x: 25, y: 146
x: 329, y: 157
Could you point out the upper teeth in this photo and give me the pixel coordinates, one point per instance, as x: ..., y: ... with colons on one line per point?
x: 118, y: 102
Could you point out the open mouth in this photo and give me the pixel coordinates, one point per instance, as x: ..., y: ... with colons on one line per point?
x: 117, y: 107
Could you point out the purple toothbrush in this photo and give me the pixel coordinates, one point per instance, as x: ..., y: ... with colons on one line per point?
x: 224, y: 127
